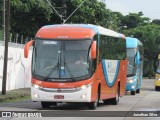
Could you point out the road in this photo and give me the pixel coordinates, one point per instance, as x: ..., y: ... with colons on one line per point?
x: 147, y: 100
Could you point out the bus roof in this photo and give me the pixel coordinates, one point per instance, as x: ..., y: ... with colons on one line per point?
x: 71, y: 31
x: 132, y: 42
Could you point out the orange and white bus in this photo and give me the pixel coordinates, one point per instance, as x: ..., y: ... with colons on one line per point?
x: 77, y: 63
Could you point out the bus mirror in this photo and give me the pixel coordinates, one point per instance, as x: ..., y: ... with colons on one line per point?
x: 137, y: 59
x: 93, y: 50
x: 26, y: 48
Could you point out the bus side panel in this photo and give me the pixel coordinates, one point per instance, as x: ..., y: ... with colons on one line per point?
x: 110, y: 90
x: 106, y: 91
x: 108, y: 75
x: 123, y: 76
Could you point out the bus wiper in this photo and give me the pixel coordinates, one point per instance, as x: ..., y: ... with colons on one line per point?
x: 53, y: 67
x: 70, y: 73
x: 59, y: 62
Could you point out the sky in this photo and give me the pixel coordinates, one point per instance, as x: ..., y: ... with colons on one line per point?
x: 150, y: 8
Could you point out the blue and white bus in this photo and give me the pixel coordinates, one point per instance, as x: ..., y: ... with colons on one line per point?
x: 135, y: 65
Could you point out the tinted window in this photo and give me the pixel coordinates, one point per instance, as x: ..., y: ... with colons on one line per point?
x: 112, y: 48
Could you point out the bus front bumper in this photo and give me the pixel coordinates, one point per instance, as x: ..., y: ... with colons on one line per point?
x: 131, y: 87
x: 157, y: 82
x: 61, y: 95
x: 131, y: 84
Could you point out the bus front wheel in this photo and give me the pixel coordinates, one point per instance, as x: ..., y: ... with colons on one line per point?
x: 138, y: 90
x: 157, y: 88
x: 47, y: 104
x: 133, y: 92
x: 93, y: 105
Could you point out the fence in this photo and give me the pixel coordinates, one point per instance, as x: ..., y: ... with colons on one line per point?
x: 18, y: 68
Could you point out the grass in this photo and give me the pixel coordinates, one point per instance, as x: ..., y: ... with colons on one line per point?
x: 16, y: 95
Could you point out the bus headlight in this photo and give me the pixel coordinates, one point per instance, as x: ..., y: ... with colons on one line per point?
x: 83, y: 87
x: 133, y: 87
x: 130, y: 81
x: 36, y: 86
x: 157, y: 78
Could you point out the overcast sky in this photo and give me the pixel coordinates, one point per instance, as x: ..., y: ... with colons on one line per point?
x: 150, y: 8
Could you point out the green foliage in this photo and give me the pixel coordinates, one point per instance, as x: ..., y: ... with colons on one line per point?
x: 156, y: 21
x: 134, y: 20
x: 1, y: 34
x: 91, y: 12
x: 27, y: 16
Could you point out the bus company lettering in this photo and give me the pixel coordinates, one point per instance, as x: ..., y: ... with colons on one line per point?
x: 49, y: 42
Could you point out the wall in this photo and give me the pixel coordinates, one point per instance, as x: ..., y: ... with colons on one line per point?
x: 19, y: 68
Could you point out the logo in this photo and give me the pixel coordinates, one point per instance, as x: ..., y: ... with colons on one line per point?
x: 6, y: 114
x: 38, y: 82
x: 109, y: 64
x: 59, y: 90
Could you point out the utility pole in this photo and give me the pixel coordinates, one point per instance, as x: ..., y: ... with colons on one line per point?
x: 6, y: 27
x: 64, y: 11
x: 3, y: 17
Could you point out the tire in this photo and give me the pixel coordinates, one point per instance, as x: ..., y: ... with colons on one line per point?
x: 45, y: 105
x: 93, y: 105
x: 133, y: 92
x: 157, y: 88
x: 138, y: 90
x: 106, y: 102
x: 114, y: 101
x: 48, y: 104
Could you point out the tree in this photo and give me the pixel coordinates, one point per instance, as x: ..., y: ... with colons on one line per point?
x: 27, y: 16
x: 91, y: 12
x: 156, y: 21
x: 134, y: 20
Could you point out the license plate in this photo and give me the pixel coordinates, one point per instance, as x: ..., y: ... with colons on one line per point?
x: 59, y: 97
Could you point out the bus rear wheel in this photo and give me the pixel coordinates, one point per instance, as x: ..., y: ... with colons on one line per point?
x: 114, y: 101
x: 106, y: 102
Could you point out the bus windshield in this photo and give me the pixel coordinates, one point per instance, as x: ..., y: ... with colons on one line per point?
x: 131, y: 52
x: 61, y: 60
x: 158, y: 67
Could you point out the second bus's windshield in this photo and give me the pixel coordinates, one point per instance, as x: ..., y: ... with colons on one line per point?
x: 61, y: 59
x: 131, y: 52
x: 158, y: 67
